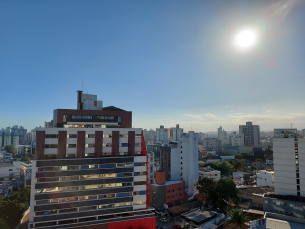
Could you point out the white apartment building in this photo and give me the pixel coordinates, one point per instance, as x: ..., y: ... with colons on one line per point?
x: 237, y: 140
x: 162, y: 135
x: 251, y: 134
x: 8, y: 170
x: 151, y: 168
x: 179, y: 159
x: 289, y: 162
x: 265, y: 178
x: 209, y: 173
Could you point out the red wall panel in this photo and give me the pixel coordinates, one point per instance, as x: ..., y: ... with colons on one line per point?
x: 149, y: 223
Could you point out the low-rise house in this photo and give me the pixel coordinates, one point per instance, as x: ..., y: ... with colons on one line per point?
x: 209, y: 159
x: 226, y: 156
x: 208, y: 172
x: 265, y: 178
x: 255, y: 194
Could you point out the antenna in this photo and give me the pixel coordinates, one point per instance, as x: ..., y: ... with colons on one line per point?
x: 291, y: 125
x: 82, y: 86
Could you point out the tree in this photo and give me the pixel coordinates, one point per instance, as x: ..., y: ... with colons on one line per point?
x: 10, y: 148
x: 258, y: 160
x: 22, y: 196
x: 238, y: 217
x: 227, y: 193
x: 3, y: 225
x: 268, y: 153
x: 223, y: 166
x: 26, y: 158
x: 239, y: 156
x: 237, y: 165
x: 207, y: 187
x: 210, y: 154
x: 11, y: 212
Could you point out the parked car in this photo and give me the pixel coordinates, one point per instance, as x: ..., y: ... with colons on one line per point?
x: 176, y: 227
x: 187, y: 225
x: 164, y: 220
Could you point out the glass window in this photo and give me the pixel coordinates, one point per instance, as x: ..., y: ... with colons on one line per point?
x: 138, y: 135
x: 72, y: 135
x: 102, y: 117
x: 67, y: 210
x: 69, y: 178
x: 78, y: 117
x: 50, y: 146
x: 70, y: 167
x: 106, y: 206
x: 123, y: 135
x: 55, y: 168
x: 88, y: 187
x: 71, y: 155
x: 71, y: 145
x: 91, y: 145
x: 107, y: 175
x: 68, y: 188
x: 84, y: 177
x: 68, y: 199
x: 73, y: 116
x: 91, y: 136
x: 106, y: 196
x: 51, y: 135
x: 107, y: 144
x: 47, y: 179
x: 87, y: 208
x: 87, y: 197
x: 140, y: 183
x: 119, y: 119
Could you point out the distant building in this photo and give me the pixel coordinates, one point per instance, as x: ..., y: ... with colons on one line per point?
x: 9, y: 170
x: 251, y: 134
x: 161, y: 135
x: 226, y: 156
x: 265, y: 178
x: 179, y: 160
x: 209, y: 159
x: 209, y: 173
x: 166, y: 192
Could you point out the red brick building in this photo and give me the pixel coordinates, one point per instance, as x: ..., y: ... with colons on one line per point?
x: 166, y: 192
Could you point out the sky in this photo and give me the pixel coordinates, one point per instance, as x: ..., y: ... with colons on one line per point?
x: 169, y: 62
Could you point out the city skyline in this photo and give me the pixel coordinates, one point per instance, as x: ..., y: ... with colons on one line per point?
x: 167, y: 63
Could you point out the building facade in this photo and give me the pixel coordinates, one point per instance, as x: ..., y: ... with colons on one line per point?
x: 90, y: 176
x: 209, y: 173
x: 265, y: 178
x: 179, y: 160
x: 289, y: 162
x: 166, y: 192
x: 251, y: 134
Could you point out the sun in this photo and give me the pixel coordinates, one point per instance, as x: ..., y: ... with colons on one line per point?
x: 246, y: 39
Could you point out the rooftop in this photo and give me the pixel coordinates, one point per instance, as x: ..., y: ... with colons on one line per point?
x: 6, y: 164
x: 168, y: 183
x: 288, y: 197
x: 198, y: 216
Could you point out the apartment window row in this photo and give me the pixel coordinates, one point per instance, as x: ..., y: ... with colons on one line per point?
x: 85, y: 187
x: 87, y: 135
x: 89, y: 197
x: 88, y: 208
x: 83, y: 177
x: 104, y: 117
x: 92, y: 166
x: 101, y: 217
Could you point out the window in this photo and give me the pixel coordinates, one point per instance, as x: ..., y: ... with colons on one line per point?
x: 71, y: 145
x: 69, y: 178
x: 277, y: 203
x: 73, y: 116
x: 88, y: 187
x: 119, y: 119
x: 10, y: 170
x: 68, y: 199
x: 72, y: 136
x: 91, y: 136
x: 51, y: 136
x: 71, y: 167
x: 50, y: 146
x: 90, y: 145
x: 84, y: 177
x: 140, y: 183
x: 68, y: 188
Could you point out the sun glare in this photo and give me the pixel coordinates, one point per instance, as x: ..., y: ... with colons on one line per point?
x: 246, y: 39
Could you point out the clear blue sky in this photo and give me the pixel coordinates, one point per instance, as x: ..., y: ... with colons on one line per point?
x: 167, y: 61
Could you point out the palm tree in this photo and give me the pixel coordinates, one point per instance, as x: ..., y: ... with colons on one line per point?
x: 238, y: 217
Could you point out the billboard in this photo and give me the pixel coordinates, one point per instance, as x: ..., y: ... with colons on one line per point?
x: 258, y: 224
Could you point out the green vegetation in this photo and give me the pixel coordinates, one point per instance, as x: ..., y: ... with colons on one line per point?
x: 258, y: 160
x: 223, y: 166
x: 10, y: 148
x: 3, y: 225
x: 268, y: 153
x: 237, y: 165
x: 26, y: 158
x: 220, y: 193
x: 238, y: 217
x: 13, y: 207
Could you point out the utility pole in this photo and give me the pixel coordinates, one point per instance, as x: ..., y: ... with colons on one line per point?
x: 291, y: 125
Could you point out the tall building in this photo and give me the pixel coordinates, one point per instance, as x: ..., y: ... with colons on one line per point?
x: 251, y: 134
x: 179, y: 160
x: 90, y: 171
x: 289, y: 162
x: 162, y: 135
